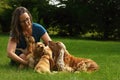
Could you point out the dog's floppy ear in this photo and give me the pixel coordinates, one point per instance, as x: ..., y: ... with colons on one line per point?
x: 60, y: 53
x: 60, y: 60
x: 62, y: 45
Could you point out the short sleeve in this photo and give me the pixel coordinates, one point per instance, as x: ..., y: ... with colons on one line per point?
x: 38, y: 31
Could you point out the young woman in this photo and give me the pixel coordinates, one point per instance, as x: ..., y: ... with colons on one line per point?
x: 22, y: 25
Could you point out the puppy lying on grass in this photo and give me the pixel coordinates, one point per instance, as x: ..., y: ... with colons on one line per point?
x: 67, y: 62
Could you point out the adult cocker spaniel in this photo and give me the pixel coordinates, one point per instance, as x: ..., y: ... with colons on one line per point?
x: 67, y: 62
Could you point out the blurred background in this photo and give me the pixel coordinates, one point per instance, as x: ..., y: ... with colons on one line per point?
x: 94, y: 19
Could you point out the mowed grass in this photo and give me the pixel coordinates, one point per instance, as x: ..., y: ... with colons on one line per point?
x: 105, y: 53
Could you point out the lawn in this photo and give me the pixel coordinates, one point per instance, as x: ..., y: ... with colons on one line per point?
x: 105, y: 53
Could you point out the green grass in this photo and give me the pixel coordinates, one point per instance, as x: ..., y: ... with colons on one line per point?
x: 105, y: 53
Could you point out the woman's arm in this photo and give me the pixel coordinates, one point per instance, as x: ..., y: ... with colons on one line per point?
x: 46, y: 38
x: 11, y: 52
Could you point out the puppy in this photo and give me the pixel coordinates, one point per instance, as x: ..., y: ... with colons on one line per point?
x: 69, y: 62
x: 35, y: 54
x: 38, y: 52
x: 30, y: 41
x: 44, y: 64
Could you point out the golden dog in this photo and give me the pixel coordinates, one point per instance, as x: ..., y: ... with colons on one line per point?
x: 69, y: 62
x: 38, y: 52
x: 34, y: 55
x: 44, y: 64
x: 30, y: 41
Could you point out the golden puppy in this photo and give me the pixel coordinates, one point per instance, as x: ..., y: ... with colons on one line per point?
x: 44, y: 64
x: 35, y: 55
x: 30, y: 41
x: 38, y: 52
x: 69, y: 62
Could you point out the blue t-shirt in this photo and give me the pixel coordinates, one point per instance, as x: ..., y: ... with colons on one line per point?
x: 37, y: 32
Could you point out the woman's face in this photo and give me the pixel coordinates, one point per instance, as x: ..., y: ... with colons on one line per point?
x: 25, y: 21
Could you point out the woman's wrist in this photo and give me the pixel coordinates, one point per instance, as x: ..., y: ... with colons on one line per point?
x: 25, y: 62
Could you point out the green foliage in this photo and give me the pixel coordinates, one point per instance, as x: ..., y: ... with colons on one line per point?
x: 106, y: 14
x: 5, y: 13
x: 70, y: 17
x: 81, y: 16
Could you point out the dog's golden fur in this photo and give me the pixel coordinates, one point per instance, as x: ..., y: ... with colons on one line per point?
x: 58, y: 54
x: 35, y: 53
x: 38, y: 52
x: 80, y: 64
x: 30, y: 41
x: 71, y: 63
x: 45, y: 63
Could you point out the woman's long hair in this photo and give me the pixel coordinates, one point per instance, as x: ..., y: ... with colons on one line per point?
x: 16, y: 29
